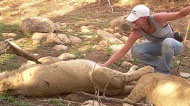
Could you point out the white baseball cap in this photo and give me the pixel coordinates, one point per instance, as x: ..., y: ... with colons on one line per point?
x: 137, y: 12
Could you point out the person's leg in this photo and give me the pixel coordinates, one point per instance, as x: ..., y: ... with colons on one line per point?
x: 147, y: 53
x: 170, y: 48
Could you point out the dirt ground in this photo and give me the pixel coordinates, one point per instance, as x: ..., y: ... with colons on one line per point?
x: 75, y: 13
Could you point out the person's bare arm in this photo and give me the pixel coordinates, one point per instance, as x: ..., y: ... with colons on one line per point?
x: 118, y: 55
x: 163, y: 17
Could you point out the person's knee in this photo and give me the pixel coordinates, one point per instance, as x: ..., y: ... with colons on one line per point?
x: 168, y: 44
x: 171, y: 45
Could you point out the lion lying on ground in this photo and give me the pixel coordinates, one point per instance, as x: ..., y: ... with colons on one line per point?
x: 161, y: 90
x: 67, y: 77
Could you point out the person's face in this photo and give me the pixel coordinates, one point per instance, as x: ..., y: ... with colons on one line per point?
x: 139, y: 22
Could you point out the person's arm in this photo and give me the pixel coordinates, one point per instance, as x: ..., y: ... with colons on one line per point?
x: 163, y: 17
x: 118, y: 55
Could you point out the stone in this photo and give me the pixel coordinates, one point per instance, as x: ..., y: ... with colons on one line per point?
x: 66, y: 56
x: 8, y: 35
x: 126, y: 64
x: 124, y: 38
x: 37, y: 24
x: 116, y: 48
x: 39, y: 37
x: 85, y: 29
x: 53, y: 39
x: 92, y: 103
x: 109, y: 37
x: 118, y: 35
x: 60, y: 47
x: 75, y: 40
x: 49, y: 60
x: 64, y: 38
x: 109, y: 30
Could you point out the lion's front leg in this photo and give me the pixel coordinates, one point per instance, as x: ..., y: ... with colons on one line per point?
x: 114, y: 80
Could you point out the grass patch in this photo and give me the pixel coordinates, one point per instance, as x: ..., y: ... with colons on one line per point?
x: 25, y: 43
x: 10, y: 29
x: 57, y: 102
x: 13, y: 100
x: 108, y: 51
x: 117, y: 64
x: 9, y: 62
x: 136, y: 62
x: 7, y: 97
x: 21, y: 103
x: 174, y: 64
x: 77, y: 54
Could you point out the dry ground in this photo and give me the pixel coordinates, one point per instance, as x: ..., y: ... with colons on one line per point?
x: 75, y: 13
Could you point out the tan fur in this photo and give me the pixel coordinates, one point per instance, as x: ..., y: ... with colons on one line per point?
x: 65, y: 77
x: 162, y: 90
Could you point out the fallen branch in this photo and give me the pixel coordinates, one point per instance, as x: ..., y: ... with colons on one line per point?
x: 11, y: 47
x: 114, y: 100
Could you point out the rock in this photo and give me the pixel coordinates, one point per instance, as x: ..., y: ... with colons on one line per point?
x: 49, y: 60
x: 8, y: 35
x: 63, y: 38
x: 58, y: 26
x: 83, y: 48
x: 66, y: 56
x: 184, y: 75
x: 63, y: 25
x: 118, y: 30
x: 60, y: 47
x: 129, y: 56
x: 117, y: 35
x: 108, y: 36
x: 53, y: 39
x: 37, y: 24
x: 125, y: 104
x: 109, y: 30
x: 116, y: 48
x: 85, y: 29
x: 75, y: 40
x: 91, y: 27
x: 124, y: 38
x: 121, y: 24
x: 38, y: 37
x: 92, y: 103
x: 103, y: 44
x: 126, y: 64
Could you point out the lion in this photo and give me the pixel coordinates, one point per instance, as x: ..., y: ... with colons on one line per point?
x: 161, y: 90
x: 63, y: 77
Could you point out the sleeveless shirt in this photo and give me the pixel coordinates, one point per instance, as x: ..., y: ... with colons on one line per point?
x: 160, y: 33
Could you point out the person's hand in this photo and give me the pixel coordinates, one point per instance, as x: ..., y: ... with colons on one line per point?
x: 102, y: 65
